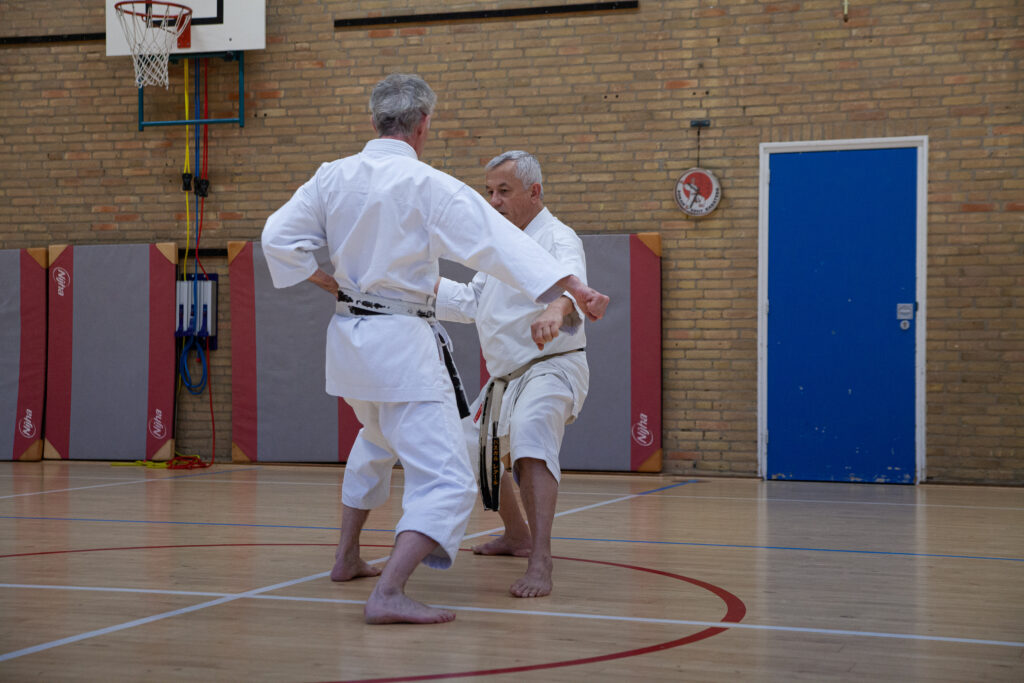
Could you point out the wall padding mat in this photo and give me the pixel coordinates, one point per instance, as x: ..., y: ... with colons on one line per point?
x: 22, y: 352
x: 111, y: 356
x: 619, y: 428
x: 281, y: 413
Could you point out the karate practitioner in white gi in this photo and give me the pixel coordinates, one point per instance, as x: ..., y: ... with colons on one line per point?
x: 385, y: 219
x: 538, y: 404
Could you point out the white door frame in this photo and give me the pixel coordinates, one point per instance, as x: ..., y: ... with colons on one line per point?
x: 920, y: 142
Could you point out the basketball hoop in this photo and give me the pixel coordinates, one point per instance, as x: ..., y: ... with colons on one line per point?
x: 152, y: 29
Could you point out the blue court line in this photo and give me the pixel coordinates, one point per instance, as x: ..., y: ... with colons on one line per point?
x: 559, y: 538
x: 783, y: 547
x: 117, y: 482
x: 670, y: 486
x: 553, y: 538
x: 230, y: 524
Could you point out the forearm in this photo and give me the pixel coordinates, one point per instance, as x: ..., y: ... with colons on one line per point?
x: 590, y: 301
x: 456, y: 301
x: 325, y: 282
x: 562, y: 306
x: 564, y: 310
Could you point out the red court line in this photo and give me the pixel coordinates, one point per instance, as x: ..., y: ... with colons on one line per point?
x: 166, y: 547
x: 735, y: 611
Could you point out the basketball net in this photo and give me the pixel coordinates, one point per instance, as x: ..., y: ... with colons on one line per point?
x: 152, y: 29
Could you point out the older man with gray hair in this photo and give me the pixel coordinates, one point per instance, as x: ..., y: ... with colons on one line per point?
x: 385, y: 218
x: 539, y: 379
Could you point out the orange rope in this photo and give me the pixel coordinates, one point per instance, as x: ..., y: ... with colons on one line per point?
x: 187, y: 462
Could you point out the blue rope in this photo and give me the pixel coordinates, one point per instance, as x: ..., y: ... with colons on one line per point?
x: 194, y: 388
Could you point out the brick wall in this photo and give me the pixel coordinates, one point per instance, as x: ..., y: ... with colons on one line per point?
x: 605, y: 99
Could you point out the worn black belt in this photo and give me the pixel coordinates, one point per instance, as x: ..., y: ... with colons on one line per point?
x: 359, y: 303
x: 490, y: 441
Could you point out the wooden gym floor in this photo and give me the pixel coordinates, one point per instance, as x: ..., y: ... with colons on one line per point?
x: 127, y: 573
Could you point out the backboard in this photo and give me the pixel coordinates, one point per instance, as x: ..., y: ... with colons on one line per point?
x: 217, y: 26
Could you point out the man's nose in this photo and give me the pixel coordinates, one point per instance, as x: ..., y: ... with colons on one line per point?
x: 495, y: 199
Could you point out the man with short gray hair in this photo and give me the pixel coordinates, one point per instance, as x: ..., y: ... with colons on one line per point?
x: 538, y: 379
x: 386, y: 218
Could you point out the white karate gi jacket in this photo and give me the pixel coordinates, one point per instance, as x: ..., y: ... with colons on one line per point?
x: 385, y: 218
x: 503, y: 316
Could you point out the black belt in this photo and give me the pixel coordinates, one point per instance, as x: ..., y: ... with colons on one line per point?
x: 490, y: 441
x: 444, y: 343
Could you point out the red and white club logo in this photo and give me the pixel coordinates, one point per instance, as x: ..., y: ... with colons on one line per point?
x: 156, y: 425
x: 698, y: 192
x: 26, y: 425
x: 640, y: 432
x: 63, y: 279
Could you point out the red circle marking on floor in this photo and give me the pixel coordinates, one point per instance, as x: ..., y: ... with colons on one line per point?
x: 735, y: 611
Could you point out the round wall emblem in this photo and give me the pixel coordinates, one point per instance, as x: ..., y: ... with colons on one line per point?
x: 698, y: 192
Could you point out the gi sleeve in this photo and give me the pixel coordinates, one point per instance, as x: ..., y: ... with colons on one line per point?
x: 495, y: 246
x: 457, y: 301
x: 292, y: 234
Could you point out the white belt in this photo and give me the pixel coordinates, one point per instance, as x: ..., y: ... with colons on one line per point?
x: 360, y: 304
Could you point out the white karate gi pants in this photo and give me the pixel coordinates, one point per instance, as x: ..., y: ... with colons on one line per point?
x: 541, y: 406
x: 440, y: 488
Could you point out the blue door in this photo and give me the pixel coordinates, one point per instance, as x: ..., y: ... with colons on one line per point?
x: 840, y: 380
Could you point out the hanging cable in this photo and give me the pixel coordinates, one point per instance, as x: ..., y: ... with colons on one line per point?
x: 180, y: 460
x: 203, y: 184
x: 202, y: 199
x: 194, y: 180
x: 186, y: 175
x: 213, y: 422
x: 194, y: 387
x: 189, y: 327
x: 199, y: 173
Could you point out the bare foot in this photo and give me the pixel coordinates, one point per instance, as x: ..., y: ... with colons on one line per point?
x: 346, y: 569
x: 536, y: 583
x: 399, y: 608
x: 504, y: 546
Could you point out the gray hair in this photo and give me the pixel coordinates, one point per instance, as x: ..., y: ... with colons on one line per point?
x: 399, y: 103
x: 527, y: 167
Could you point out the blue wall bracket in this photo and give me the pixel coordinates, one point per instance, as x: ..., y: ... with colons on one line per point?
x: 226, y: 56
x: 196, y: 312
